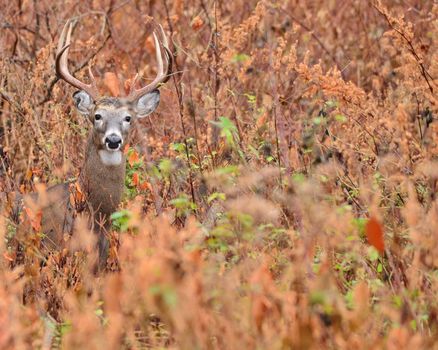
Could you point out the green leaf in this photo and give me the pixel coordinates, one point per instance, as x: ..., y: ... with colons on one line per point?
x: 317, y: 298
x: 373, y: 254
x: 298, y: 178
x: 178, y: 147
x: 240, y: 57
x: 340, y: 118
x: 121, y: 220
x: 318, y: 120
x: 183, y: 205
x: 379, y: 268
x: 216, y: 195
x: 166, y: 292
x: 331, y: 103
x: 413, y: 325
x: 359, y: 224
x: 397, y: 301
x: 165, y: 167
x: 228, y: 170
x: 252, y: 99
x: 228, y: 130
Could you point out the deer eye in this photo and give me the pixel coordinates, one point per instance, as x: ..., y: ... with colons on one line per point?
x: 128, y: 119
x: 97, y: 117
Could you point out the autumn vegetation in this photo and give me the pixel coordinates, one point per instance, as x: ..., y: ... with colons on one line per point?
x: 282, y: 196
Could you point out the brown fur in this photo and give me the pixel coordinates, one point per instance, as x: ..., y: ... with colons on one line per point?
x: 103, y: 174
x: 56, y: 216
x: 101, y: 184
x: 103, y: 188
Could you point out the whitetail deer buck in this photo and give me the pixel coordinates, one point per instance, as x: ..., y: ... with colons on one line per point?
x: 103, y: 172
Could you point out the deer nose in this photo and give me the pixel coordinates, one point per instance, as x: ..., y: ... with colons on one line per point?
x: 113, y: 141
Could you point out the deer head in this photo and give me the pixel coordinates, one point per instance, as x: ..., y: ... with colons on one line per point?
x: 112, y: 117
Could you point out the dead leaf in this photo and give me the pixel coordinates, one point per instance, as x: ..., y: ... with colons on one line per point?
x: 112, y: 82
x: 261, y: 121
x: 146, y: 186
x: 127, y: 85
x: 77, y: 195
x: 374, y: 234
x: 135, y: 179
x: 197, y: 23
x: 9, y: 257
x: 262, y: 284
x: 361, y: 295
x: 28, y: 175
x: 260, y: 308
x: 35, y: 218
x: 126, y: 149
x: 133, y: 158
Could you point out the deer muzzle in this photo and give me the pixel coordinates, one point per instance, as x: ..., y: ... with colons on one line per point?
x: 113, y: 142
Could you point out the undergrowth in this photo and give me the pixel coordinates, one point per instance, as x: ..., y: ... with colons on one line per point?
x: 282, y: 196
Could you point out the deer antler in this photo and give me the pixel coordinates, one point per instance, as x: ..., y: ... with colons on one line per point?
x: 62, y: 64
x: 163, y: 75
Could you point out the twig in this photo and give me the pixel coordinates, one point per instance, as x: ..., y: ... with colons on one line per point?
x: 411, y: 48
x: 419, y: 119
x: 214, y: 46
x: 4, y: 95
x: 179, y: 93
x: 192, y: 112
x: 84, y: 63
x: 317, y: 39
x: 37, y: 29
x: 204, y: 8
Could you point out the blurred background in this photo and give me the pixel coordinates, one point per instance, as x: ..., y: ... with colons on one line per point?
x: 283, y: 195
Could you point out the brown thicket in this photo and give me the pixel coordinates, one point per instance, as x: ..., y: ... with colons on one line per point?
x: 282, y: 196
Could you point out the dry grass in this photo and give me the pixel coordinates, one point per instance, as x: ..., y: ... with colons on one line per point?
x: 287, y: 126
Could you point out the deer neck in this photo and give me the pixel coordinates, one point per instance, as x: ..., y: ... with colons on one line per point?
x: 102, y: 177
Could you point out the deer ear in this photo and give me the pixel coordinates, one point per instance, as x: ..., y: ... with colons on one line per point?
x: 147, y: 103
x: 83, y: 101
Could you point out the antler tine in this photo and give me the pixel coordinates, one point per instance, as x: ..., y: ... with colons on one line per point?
x: 61, y: 40
x: 162, y: 74
x: 62, y: 63
x: 168, y: 55
x: 163, y: 35
x: 159, y: 57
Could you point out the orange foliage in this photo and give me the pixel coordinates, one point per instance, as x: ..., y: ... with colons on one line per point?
x: 374, y: 233
x: 252, y: 193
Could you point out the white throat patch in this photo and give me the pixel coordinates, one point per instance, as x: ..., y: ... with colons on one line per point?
x: 110, y: 158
